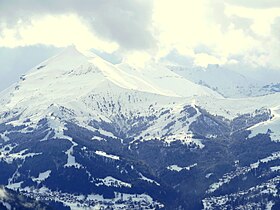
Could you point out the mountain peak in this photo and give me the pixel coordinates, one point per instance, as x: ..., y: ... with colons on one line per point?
x: 69, y: 59
x: 73, y: 50
x: 74, y: 73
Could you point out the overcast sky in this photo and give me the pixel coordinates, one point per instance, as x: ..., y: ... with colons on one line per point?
x: 187, y: 32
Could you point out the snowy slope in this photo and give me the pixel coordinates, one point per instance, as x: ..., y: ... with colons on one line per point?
x: 81, y: 83
x: 80, y: 86
x: 164, y: 79
x: 224, y: 81
x: 231, y: 108
x: 71, y: 75
x: 271, y: 126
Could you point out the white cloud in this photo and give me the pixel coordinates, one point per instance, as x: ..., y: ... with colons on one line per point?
x: 227, y: 28
x: 59, y: 31
x: 137, y: 58
x: 262, y: 4
x: 207, y: 31
x: 262, y: 18
x: 126, y: 22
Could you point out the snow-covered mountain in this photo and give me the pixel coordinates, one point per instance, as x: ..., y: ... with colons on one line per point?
x: 71, y: 78
x: 81, y: 132
x: 227, y: 82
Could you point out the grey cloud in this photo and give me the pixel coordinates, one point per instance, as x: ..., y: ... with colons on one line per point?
x: 202, y: 49
x: 114, y: 58
x: 274, y: 47
x: 217, y: 14
x: 275, y: 28
x: 244, y: 24
x: 258, y: 4
x: 124, y: 21
x: 241, y: 22
x: 175, y: 58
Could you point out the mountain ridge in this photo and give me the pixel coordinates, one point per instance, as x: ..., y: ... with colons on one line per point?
x: 130, y: 142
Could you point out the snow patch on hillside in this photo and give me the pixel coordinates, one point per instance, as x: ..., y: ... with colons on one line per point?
x: 42, y: 176
x: 271, y: 127
x: 104, y: 154
x: 148, y: 180
x: 113, y: 182
x: 178, y: 168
